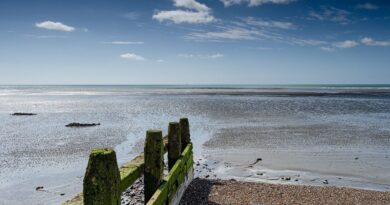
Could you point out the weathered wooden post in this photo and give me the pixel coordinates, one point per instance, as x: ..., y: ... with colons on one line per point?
x: 102, y: 178
x: 174, y: 143
x: 154, y: 156
x: 185, y: 132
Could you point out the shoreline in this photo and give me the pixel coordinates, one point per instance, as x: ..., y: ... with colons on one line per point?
x: 263, y: 173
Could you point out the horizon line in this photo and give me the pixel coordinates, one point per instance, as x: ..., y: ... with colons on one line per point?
x: 222, y: 84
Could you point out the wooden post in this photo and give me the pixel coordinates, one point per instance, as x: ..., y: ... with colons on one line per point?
x: 154, y: 156
x: 185, y: 133
x: 174, y: 143
x: 102, y: 178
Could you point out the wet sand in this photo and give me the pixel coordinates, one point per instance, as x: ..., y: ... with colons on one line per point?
x: 302, y: 155
x: 213, y: 192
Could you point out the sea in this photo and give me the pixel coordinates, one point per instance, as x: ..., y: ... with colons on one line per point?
x: 321, y: 135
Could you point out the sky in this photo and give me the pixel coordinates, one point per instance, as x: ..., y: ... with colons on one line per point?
x: 194, y: 42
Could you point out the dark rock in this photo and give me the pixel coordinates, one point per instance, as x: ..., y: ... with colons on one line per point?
x: 356, y: 158
x: 286, y: 178
x: 38, y: 188
x: 325, y: 181
x: 23, y: 114
x: 76, y: 124
x: 62, y: 194
x: 257, y: 160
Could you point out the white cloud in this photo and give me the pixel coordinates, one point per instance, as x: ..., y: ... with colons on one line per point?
x: 255, y: 2
x: 327, y: 48
x: 132, y: 56
x: 269, y: 23
x: 330, y: 47
x: 181, y: 16
x: 212, y: 56
x: 50, y: 25
x: 306, y: 42
x: 367, y: 6
x: 233, y: 33
x: 126, y: 42
x: 191, y: 4
x: 217, y: 55
x: 245, y: 31
x: 197, y: 13
x: 329, y: 13
x: 160, y: 61
x: 371, y: 42
x: 346, y: 44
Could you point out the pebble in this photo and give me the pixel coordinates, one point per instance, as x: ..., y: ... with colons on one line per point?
x: 134, y: 194
x: 325, y: 181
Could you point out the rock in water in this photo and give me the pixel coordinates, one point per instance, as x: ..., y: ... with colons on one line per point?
x: 23, y: 114
x: 325, y: 181
x: 39, y: 188
x: 76, y: 124
x: 257, y: 160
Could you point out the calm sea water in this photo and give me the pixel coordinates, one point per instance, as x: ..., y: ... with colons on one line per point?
x: 235, y: 120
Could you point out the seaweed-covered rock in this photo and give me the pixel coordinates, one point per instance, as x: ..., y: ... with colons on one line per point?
x: 76, y: 124
x: 23, y: 114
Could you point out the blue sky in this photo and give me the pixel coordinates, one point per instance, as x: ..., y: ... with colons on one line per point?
x: 194, y: 42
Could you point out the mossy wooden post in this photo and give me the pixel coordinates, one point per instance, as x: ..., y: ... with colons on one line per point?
x: 185, y: 133
x: 153, y: 162
x: 174, y: 143
x: 102, y: 178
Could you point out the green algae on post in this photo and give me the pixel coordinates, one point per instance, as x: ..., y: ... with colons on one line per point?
x: 102, y: 179
x: 174, y: 143
x: 185, y: 132
x: 154, y: 156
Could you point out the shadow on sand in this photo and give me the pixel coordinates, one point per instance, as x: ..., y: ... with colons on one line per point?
x: 198, y: 192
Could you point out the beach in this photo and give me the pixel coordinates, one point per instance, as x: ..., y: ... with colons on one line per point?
x: 203, y: 191
x: 329, y: 136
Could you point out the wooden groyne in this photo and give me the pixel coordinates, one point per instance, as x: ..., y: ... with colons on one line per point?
x: 104, y: 182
